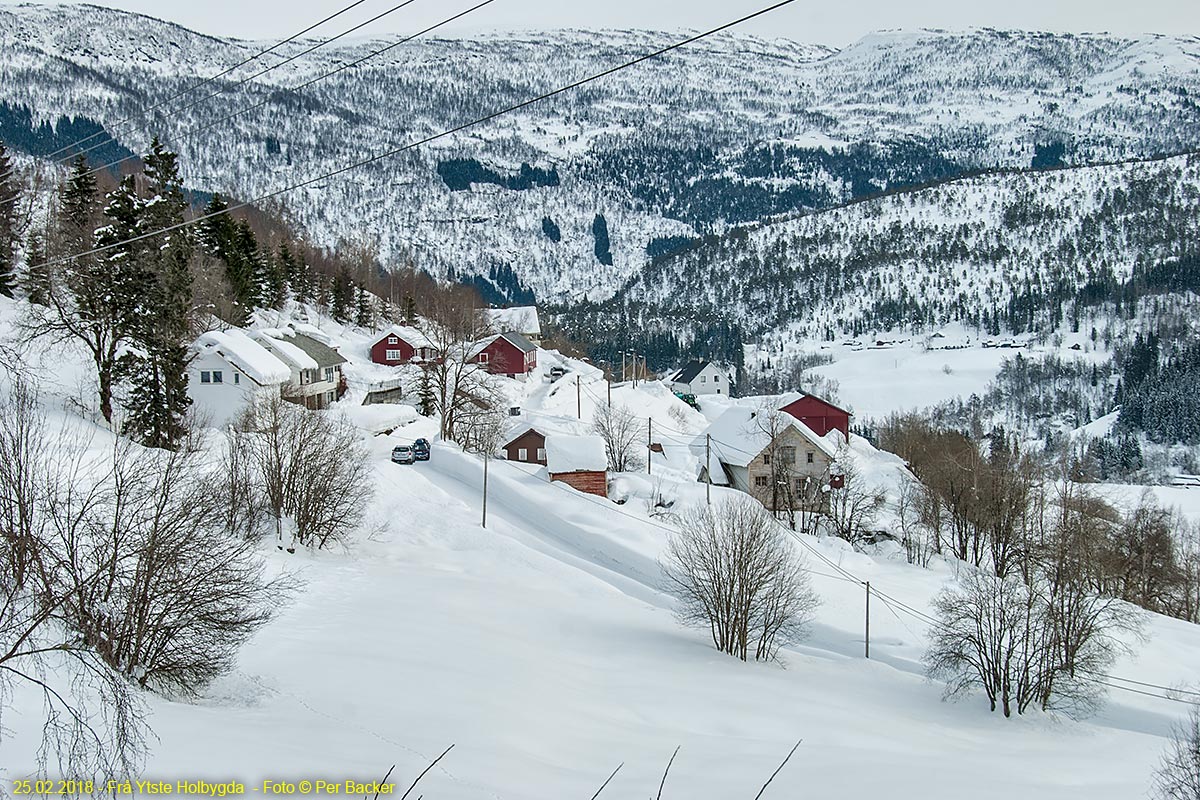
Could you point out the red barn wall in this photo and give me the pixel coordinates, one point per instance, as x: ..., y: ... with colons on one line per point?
x: 819, y: 416
x: 589, y: 482
x: 505, y: 358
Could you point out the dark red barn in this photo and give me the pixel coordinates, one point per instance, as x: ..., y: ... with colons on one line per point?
x: 508, y: 354
x: 819, y: 416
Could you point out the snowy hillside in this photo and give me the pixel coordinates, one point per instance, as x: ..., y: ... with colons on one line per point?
x: 569, y: 199
x: 544, y: 647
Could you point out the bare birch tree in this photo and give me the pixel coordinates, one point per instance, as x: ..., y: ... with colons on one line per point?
x: 622, y: 435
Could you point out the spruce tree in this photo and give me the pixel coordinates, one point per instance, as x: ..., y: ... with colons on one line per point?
x: 158, y: 398
x: 364, y: 315
x: 9, y: 229
x: 341, y: 295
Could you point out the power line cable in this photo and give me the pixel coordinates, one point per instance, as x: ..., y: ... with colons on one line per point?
x: 433, y: 137
x: 206, y: 81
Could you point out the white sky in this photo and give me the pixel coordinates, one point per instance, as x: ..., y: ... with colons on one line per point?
x: 821, y: 21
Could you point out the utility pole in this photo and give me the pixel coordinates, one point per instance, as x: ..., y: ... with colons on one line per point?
x: 485, y: 466
x: 649, y: 442
x: 578, y: 401
x: 868, y: 619
x: 608, y: 383
x: 708, y: 469
x: 623, y: 366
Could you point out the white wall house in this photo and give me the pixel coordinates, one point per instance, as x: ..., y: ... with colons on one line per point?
x: 519, y: 319
x: 229, y: 371
x: 315, y: 368
x: 700, y: 377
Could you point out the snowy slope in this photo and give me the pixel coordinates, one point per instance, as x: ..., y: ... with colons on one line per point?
x: 544, y: 648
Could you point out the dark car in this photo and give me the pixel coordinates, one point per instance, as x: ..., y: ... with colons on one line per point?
x: 421, y: 449
x: 403, y: 454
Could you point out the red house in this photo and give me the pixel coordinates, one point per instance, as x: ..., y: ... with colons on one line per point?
x: 528, y: 448
x: 508, y: 354
x: 400, y: 345
x: 819, y: 416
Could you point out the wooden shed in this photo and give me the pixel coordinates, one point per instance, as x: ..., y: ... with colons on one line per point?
x: 579, y: 462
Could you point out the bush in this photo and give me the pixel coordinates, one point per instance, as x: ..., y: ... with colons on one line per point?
x: 735, y: 574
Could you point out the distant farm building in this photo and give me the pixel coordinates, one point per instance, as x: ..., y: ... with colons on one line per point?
x: 508, y: 354
x: 819, y: 415
x: 700, y: 378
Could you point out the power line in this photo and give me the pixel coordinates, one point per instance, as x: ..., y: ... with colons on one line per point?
x: 200, y: 128
x: 434, y: 137
x: 147, y: 109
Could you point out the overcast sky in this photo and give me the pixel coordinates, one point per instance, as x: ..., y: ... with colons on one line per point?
x: 834, y: 23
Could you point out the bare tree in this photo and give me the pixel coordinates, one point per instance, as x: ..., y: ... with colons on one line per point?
x: 1178, y: 776
x: 1026, y: 646
x: 855, y: 506
x: 736, y: 574
x: 461, y: 386
x: 622, y: 435
x: 312, y: 468
x: 915, y: 535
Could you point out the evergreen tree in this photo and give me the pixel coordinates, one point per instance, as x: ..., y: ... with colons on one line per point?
x: 426, y: 400
x: 38, y: 275
x: 158, y: 399
x: 9, y: 229
x: 410, y: 310
x: 341, y: 296
x: 364, y: 311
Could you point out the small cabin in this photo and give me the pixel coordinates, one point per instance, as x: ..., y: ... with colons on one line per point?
x: 578, y: 461
x: 400, y: 344
x: 508, y: 354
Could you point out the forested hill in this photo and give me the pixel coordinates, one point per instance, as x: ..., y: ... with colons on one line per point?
x: 571, y: 198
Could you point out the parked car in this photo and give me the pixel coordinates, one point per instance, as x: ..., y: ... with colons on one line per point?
x: 421, y: 449
x: 403, y: 454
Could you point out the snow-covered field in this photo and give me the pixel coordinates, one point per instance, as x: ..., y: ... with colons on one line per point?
x: 544, y: 649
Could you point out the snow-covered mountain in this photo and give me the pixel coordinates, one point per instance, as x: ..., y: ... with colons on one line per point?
x: 572, y: 197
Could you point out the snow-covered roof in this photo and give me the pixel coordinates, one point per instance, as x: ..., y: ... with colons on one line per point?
x: 249, y: 356
x: 738, y: 437
x: 279, y: 342
x: 689, y: 372
x: 517, y: 340
x: 575, y: 454
x: 412, y: 336
x: 522, y: 319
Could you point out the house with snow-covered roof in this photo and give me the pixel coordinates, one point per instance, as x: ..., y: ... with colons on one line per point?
x: 228, y: 372
x: 315, y: 378
x: 578, y: 461
x: 700, y: 378
x: 508, y: 354
x: 527, y: 447
x: 769, y: 454
x: 401, y: 344
x: 518, y: 319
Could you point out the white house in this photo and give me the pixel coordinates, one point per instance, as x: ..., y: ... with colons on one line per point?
x: 768, y: 454
x: 519, y: 319
x: 315, y: 368
x: 229, y: 372
x: 700, y: 377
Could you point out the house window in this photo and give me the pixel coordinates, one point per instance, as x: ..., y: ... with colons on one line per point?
x: 237, y: 378
x: 541, y: 454
x: 332, y: 396
x: 787, y: 455
x: 767, y: 459
x: 329, y: 373
x: 483, y: 358
x: 716, y: 378
x: 216, y: 376
x: 809, y: 455
x: 305, y: 377
x: 522, y: 454
x: 799, y: 487
x: 703, y: 378
x: 762, y: 481
x: 394, y: 355
x: 392, y: 340
x: 206, y: 377
x: 718, y: 391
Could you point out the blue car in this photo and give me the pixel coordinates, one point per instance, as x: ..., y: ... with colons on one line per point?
x: 421, y: 449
